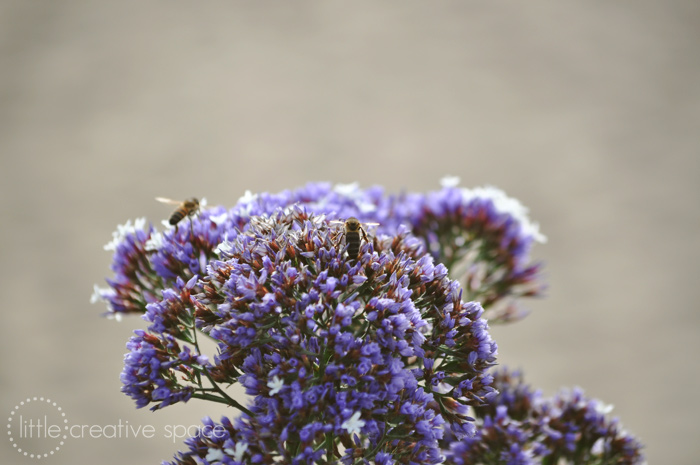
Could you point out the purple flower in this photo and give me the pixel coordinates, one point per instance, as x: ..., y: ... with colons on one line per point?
x: 225, y: 442
x: 378, y: 358
x: 520, y: 426
x: 457, y: 225
x: 151, y: 368
x: 284, y: 311
x: 462, y: 225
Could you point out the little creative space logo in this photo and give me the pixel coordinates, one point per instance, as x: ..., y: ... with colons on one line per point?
x: 37, y: 428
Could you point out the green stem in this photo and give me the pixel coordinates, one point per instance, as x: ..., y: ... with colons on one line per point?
x: 329, y: 446
x: 210, y: 398
x: 230, y: 400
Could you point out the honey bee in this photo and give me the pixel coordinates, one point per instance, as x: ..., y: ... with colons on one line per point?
x: 354, y: 233
x: 187, y: 208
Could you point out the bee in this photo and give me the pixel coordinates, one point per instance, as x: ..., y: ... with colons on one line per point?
x: 354, y: 233
x: 188, y: 208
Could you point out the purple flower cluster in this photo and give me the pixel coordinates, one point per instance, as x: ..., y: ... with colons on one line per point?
x: 380, y: 358
x: 334, y: 349
x: 482, y: 236
x: 134, y: 284
x: 150, y: 371
x: 521, y: 427
x: 146, y: 261
x: 226, y: 442
x: 158, y: 368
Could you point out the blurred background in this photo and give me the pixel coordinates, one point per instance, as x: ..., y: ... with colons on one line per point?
x: 588, y: 112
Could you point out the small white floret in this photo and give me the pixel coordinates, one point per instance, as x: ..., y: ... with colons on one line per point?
x: 155, y: 242
x: 248, y: 197
x: 225, y: 247
x: 219, y: 219
x: 450, y: 181
x: 116, y: 316
x: 353, y: 424
x: 353, y: 192
x: 598, y: 447
x: 245, y: 203
x: 238, y: 451
x: 366, y: 207
x: 275, y: 385
x: 508, y: 206
x: 214, y: 455
x: 97, y: 292
x: 348, y: 190
x: 603, y: 409
x: 123, y: 230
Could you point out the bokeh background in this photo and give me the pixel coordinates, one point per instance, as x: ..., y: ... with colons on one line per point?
x: 588, y: 112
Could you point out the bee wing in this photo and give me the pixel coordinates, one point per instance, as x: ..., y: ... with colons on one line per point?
x: 371, y: 224
x: 168, y: 201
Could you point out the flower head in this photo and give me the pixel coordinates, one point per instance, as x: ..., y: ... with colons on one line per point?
x: 380, y: 352
x: 521, y: 426
x: 482, y: 236
x: 342, y: 336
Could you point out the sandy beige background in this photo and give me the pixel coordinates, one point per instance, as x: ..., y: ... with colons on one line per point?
x: 587, y: 111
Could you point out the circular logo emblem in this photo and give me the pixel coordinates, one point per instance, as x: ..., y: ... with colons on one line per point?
x: 37, y: 427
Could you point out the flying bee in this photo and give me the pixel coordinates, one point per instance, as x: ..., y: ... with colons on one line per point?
x: 188, y: 208
x: 354, y: 233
